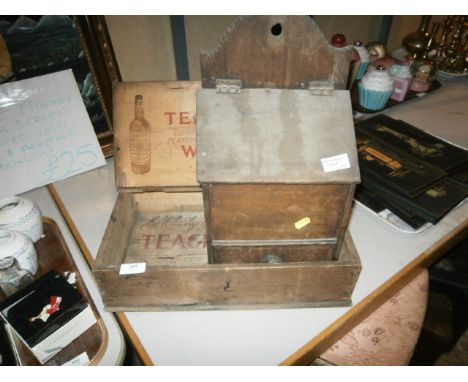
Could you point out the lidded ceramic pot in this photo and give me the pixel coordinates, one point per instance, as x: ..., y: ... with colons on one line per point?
x: 19, y: 246
x: 21, y: 214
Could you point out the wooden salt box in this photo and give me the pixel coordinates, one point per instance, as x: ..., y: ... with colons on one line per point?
x: 277, y: 155
x: 277, y: 186
x: 278, y: 169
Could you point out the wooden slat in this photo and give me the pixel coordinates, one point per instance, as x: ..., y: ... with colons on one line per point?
x: 265, y: 254
x: 270, y: 211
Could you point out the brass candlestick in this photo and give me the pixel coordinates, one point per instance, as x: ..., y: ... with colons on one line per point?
x: 415, y: 43
x: 451, y: 52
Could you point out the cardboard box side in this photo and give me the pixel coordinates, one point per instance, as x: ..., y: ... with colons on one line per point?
x: 62, y: 337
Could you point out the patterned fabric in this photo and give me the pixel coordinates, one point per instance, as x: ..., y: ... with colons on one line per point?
x: 389, y: 335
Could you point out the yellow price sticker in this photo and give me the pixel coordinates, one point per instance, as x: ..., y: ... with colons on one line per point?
x: 302, y: 223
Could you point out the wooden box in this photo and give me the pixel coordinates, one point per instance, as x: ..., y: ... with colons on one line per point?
x: 166, y: 230
x: 264, y: 251
x: 278, y: 169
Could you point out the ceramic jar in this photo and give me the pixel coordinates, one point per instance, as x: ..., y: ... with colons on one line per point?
x: 20, y: 214
x: 19, y: 246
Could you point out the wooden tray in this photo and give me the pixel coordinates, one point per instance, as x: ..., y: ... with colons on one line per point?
x: 165, y: 231
x: 53, y: 253
x: 409, y: 96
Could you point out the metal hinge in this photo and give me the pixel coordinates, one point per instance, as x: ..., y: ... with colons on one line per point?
x: 321, y: 87
x: 227, y: 86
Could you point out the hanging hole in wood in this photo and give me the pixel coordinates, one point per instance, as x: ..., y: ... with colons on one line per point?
x: 276, y: 29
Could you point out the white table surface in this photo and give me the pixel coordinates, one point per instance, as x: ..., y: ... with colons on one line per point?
x: 267, y: 337
x: 114, y: 353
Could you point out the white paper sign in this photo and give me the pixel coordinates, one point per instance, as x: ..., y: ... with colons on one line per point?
x: 45, y: 133
x: 132, y: 268
x: 335, y: 163
x: 80, y: 360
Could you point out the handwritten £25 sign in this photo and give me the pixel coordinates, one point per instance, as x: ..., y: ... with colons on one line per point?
x: 45, y: 133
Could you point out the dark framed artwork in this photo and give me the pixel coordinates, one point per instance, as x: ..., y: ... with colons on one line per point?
x: 37, y: 45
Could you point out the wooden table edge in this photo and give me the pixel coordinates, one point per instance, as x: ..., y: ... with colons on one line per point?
x: 306, y: 354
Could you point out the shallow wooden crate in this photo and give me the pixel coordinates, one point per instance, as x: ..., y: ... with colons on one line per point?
x: 178, y: 276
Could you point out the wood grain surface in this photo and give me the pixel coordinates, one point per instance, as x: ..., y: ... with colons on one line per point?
x: 188, y: 285
x: 169, y: 110
x: 275, y: 52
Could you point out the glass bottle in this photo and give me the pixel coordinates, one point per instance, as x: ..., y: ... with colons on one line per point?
x: 140, y: 140
x: 13, y: 278
x: 415, y: 43
x: 338, y: 40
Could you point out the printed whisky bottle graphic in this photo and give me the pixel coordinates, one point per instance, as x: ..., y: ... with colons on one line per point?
x: 140, y: 140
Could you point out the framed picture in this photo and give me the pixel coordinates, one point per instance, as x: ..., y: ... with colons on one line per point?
x: 35, y: 45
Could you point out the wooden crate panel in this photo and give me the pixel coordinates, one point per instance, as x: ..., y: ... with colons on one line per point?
x: 217, y: 286
x: 275, y: 52
x: 168, y: 238
x: 270, y: 212
x: 272, y: 254
x: 169, y: 144
x: 160, y: 229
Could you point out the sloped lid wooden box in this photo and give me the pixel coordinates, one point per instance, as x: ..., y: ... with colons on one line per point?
x: 278, y: 169
x: 167, y: 232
